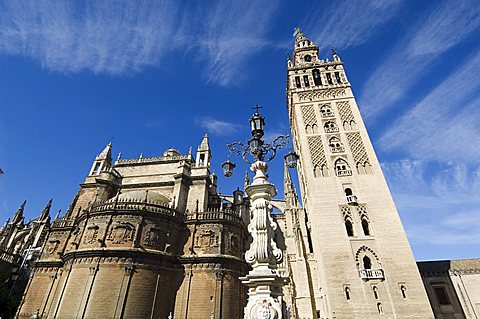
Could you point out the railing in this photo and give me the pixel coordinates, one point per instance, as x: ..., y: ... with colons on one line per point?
x: 62, y: 223
x: 339, y: 149
x: 328, y: 114
x: 344, y: 172
x: 152, y: 159
x: 134, y: 205
x: 371, y: 274
x: 331, y: 129
x: 216, y: 214
x: 352, y: 199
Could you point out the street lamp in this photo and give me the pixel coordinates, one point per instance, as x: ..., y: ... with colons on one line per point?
x: 291, y: 159
x: 263, y: 254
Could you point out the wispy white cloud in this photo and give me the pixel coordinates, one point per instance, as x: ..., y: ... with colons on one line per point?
x: 444, y: 125
x: 233, y: 31
x: 215, y: 126
x: 103, y: 37
x: 121, y: 37
x: 448, y: 25
x: 437, y: 207
x: 343, y: 24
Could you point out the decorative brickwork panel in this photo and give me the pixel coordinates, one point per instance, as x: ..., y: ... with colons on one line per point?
x: 357, y: 148
x: 308, y: 115
x: 362, y: 211
x: 321, y: 94
x: 345, y: 111
x: 346, y: 211
x: 316, y: 151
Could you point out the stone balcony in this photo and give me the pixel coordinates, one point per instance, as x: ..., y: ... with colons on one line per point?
x: 367, y: 274
x: 328, y: 114
x: 345, y: 172
x: 331, y: 129
x: 352, y: 200
x: 339, y: 149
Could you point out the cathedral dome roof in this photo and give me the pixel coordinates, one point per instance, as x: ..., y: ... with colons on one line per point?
x: 142, y: 196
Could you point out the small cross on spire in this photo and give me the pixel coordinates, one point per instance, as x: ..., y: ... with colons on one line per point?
x: 256, y: 108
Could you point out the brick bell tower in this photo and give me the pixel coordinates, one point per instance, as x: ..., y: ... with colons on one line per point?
x: 358, y: 259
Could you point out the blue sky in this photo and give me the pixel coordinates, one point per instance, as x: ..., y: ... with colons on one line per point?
x: 156, y: 75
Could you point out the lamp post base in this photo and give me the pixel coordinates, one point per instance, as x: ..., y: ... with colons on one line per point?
x: 265, y: 296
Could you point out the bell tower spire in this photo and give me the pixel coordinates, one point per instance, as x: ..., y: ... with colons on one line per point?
x: 103, y: 161
x: 18, y: 217
x: 203, y: 153
x: 352, y: 227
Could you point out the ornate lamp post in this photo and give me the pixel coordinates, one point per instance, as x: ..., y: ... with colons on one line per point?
x: 265, y: 297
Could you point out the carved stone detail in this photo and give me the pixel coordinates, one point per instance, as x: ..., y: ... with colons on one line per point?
x: 91, y: 234
x: 122, y: 232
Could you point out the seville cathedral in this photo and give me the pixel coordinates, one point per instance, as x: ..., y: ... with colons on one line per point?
x: 153, y: 238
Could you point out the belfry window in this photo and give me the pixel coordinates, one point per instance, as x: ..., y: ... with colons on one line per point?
x: 337, y: 77
x: 305, y: 80
x: 308, y: 58
x: 365, y: 227
x: 297, y: 82
x: 367, y: 263
x: 316, y: 77
x: 329, y: 78
x: 96, y: 169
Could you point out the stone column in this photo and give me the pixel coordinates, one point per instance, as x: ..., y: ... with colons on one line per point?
x: 264, y: 282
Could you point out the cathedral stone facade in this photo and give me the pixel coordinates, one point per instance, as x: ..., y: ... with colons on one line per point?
x: 152, y: 238
x: 143, y: 238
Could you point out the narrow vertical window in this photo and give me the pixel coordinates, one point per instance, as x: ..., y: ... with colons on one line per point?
x: 349, y: 227
x: 365, y: 226
x: 337, y: 77
x: 297, y: 82
x: 305, y: 80
x: 316, y: 77
x: 403, y: 289
x: 379, y: 307
x: 329, y: 78
x: 318, y: 314
x: 375, y: 292
x: 347, y: 293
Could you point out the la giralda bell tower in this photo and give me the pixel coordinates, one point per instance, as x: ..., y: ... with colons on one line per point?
x: 357, y: 257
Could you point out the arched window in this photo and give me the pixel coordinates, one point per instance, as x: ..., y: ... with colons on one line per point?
x: 308, y: 58
x: 325, y: 171
x: 365, y: 227
x: 367, y: 263
x: 379, y: 307
x: 326, y: 110
x: 342, y: 168
x: 375, y: 292
x: 348, y: 192
x: 346, y: 126
x: 347, y: 293
x: 403, y: 290
x: 317, y: 172
x: 349, y: 227
x: 316, y: 77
